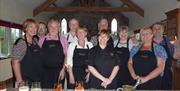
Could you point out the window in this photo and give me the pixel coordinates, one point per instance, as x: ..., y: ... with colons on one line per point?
x: 9, y: 32
x: 7, y: 38
x: 15, y: 33
x: 63, y: 26
x: 3, y: 42
x: 114, y: 26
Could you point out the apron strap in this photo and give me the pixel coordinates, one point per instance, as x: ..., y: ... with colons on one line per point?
x: 118, y: 42
x: 167, y: 50
x: 152, y: 47
x: 68, y: 37
x: 25, y: 38
x: 76, y: 47
x: 128, y: 43
x: 87, y: 46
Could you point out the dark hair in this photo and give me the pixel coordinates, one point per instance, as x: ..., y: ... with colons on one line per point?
x: 104, y: 31
x: 43, y: 24
x: 157, y: 23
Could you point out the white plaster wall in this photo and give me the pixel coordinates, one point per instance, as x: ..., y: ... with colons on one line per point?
x: 15, y: 11
x: 153, y: 13
x: 5, y: 69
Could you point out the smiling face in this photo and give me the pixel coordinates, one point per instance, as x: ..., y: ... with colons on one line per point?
x: 31, y: 29
x: 42, y: 29
x: 53, y: 27
x: 103, y: 37
x: 73, y: 24
x: 81, y: 33
x: 103, y: 24
x: 146, y: 35
x: 158, y: 30
x: 123, y: 35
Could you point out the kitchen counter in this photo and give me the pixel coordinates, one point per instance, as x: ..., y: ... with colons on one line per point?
x: 5, y: 69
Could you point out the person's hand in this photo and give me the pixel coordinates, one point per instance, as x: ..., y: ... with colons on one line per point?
x: 19, y: 83
x: 71, y: 81
x: 109, y: 81
x: 62, y: 74
x: 135, y: 77
x: 87, y: 77
x: 67, y: 67
x: 104, y: 85
x: 106, y: 82
x: 143, y: 79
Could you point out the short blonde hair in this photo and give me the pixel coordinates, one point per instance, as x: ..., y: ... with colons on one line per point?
x: 146, y: 29
x: 29, y: 22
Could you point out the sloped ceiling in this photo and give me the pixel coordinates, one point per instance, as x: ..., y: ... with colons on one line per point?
x: 31, y: 4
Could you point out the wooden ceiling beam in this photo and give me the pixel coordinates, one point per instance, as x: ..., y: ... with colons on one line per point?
x: 133, y: 6
x: 43, y: 6
x: 54, y: 4
x: 88, y: 9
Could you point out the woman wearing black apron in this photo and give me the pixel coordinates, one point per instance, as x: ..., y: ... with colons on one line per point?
x: 53, y: 56
x: 26, y: 56
x: 77, y: 56
x: 147, y: 62
x: 103, y: 64
x: 122, y: 46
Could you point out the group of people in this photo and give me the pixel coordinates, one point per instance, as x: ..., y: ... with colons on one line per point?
x: 44, y: 55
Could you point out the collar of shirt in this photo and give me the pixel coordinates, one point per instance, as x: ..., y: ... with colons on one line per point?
x: 107, y: 48
x: 86, y: 44
x: 71, y: 38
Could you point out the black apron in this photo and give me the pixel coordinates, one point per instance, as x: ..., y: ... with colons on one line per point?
x: 144, y: 62
x: 31, y: 64
x: 123, y: 76
x: 53, y: 62
x: 104, y: 63
x: 167, y: 76
x: 80, y: 58
x: 68, y: 39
